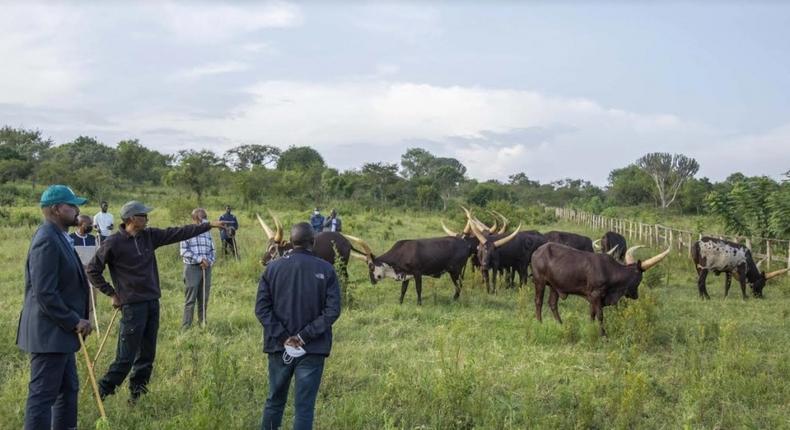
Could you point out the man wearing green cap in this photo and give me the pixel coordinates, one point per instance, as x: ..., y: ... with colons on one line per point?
x: 130, y: 255
x: 54, y: 310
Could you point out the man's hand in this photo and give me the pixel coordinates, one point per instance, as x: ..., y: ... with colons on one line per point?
x: 219, y: 224
x: 116, y: 302
x: 84, y: 328
x: 204, y: 264
x: 294, y: 342
x: 110, y: 227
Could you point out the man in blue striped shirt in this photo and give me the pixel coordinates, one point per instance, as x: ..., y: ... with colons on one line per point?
x: 199, y: 255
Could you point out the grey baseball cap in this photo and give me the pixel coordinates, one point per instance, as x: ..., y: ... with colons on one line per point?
x: 132, y: 208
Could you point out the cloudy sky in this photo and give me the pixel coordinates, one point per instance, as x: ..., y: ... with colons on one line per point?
x: 550, y: 89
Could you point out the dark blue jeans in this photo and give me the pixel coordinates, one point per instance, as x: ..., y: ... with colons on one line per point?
x: 52, y: 393
x: 307, y: 370
x: 136, y: 348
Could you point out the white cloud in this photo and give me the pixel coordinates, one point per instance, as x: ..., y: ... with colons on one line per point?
x: 481, y: 127
x: 215, y: 23
x: 210, y: 69
x: 412, y: 23
x: 40, y: 61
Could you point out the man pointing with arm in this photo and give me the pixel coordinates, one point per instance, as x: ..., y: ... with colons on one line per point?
x: 130, y: 255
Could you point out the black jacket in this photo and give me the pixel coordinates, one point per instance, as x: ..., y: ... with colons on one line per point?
x: 298, y: 294
x: 56, y: 294
x: 132, y: 261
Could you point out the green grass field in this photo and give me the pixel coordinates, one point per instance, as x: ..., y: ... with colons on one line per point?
x: 669, y: 361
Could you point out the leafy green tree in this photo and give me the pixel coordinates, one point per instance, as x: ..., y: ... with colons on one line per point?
x: 382, y: 179
x: 20, y: 152
x: 299, y: 157
x: 754, y: 207
x: 669, y: 172
x: 416, y: 163
x: 630, y: 186
x: 247, y: 157
x: 83, y: 152
x: 692, y: 195
x: 196, y: 170
x: 136, y: 163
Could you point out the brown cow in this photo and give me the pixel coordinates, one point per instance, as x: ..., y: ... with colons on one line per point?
x: 598, y: 277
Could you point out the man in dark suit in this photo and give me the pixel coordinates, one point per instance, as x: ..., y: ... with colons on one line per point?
x: 55, y: 309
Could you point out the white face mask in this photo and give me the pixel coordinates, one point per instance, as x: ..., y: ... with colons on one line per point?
x: 290, y: 353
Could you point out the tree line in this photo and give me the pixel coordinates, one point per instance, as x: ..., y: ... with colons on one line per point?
x: 257, y: 173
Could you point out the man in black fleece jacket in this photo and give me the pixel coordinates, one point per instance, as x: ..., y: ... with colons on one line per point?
x: 130, y: 255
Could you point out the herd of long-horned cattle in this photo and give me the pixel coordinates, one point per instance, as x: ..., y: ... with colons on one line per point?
x: 566, y: 263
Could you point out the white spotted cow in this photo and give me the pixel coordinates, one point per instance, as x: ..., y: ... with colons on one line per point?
x: 730, y: 258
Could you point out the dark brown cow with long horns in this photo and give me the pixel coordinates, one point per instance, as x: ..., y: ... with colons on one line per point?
x: 597, y: 277
x: 416, y: 258
x: 328, y: 245
x: 573, y: 240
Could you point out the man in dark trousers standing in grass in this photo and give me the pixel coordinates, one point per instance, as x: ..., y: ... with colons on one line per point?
x: 130, y: 255
x: 298, y: 301
x: 54, y: 311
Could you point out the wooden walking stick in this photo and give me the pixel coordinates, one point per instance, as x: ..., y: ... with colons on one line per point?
x: 104, y: 339
x: 204, y: 296
x: 93, y: 308
x: 92, y: 376
x: 235, y: 248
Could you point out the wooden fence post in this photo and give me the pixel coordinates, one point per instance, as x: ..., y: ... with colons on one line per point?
x: 768, y: 255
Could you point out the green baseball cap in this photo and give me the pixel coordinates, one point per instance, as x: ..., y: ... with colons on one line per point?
x: 60, y: 194
x: 134, y: 207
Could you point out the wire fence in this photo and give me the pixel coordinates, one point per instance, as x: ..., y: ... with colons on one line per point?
x: 772, y: 250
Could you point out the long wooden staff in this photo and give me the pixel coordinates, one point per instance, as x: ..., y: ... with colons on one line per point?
x: 104, y: 339
x: 204, y: 296
x: 92, y: 376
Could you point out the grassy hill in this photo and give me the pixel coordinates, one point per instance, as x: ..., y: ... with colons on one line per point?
x: 669, y: 361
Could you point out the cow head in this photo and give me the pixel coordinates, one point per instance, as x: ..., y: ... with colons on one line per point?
x: 630, y: 279
x: 276, y: 246
x: 758, y: 283
x: 487, y: 245
x: 376, y: 270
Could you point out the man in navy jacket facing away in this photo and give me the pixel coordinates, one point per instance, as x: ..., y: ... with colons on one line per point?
x: 298, y: 301
x: 54, y: 311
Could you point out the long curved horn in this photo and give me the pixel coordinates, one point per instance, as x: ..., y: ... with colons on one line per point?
x: 477, y: 233
x: 597, y: 244
x: 448, y: 231
x: 468, y: 212
x: 502, y: 229
x: 761, y: 262
x: 266, y: 228
x: 507, y: 239
x: 278, y: 235
x: 493, y: 228
x: 652, y: 261
x: 775, y: 274
x: 359, y: 256
x: 480, y: 225
x: 629, y: 254
x: 361, y: 244
x: 612, y: 251
x: 468, y: 228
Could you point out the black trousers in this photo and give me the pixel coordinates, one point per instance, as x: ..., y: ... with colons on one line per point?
x: 53, y: 392
x: 136, y: 348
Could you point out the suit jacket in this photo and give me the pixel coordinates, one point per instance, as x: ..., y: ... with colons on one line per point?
x: 56, y: 294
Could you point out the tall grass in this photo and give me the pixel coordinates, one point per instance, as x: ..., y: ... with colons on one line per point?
x: 669, y: 360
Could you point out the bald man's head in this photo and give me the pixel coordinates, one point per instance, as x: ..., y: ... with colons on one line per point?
x: 302, y: 235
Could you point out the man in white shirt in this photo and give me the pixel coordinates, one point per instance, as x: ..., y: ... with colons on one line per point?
x: 103, y: 222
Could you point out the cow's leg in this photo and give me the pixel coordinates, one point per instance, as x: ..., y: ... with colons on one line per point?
x: 553, y: 298
x: 484, y: 273
x: 456, y: 277
x: 540, y: 286
x: 727, y: 283
x: 742, y: 280
x: 599, y: 314
x: 403, y: 286
x: 703, y: 292
x: 418, y: 287
x: 493, y: 281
